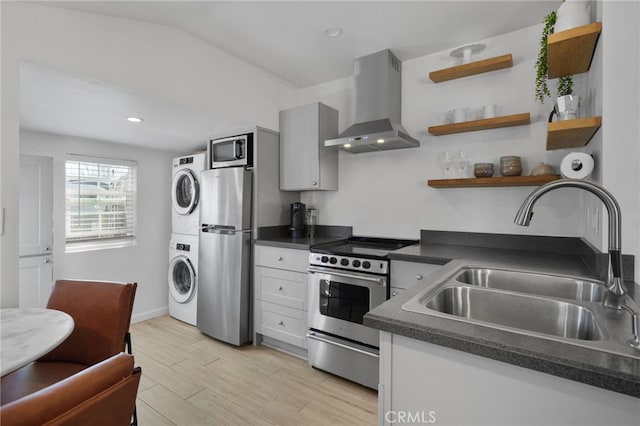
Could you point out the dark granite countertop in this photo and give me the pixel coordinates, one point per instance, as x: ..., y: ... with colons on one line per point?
x: 295, y: 243
x: 616, y: 372
x: 278, y: 236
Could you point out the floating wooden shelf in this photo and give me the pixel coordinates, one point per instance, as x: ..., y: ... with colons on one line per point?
x: 571, y: 51
x: 572, y: 133
x: 492, y: 181
x: 487, y: 123
x: 472, y: 68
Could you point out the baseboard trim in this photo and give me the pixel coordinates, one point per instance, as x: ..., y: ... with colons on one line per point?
x: 149, y: 314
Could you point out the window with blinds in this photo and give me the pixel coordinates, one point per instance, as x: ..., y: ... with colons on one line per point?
x: 100, y: 202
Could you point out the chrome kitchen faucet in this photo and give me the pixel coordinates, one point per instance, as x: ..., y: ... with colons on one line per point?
x: 617, y: 296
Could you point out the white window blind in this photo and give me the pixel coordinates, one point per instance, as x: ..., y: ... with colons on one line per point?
x: 100, y: 200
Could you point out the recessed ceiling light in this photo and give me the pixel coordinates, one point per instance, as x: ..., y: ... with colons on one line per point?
x: 135, y: 119
x: 347, y: 145
x: 333, y: 32
x: 380, y: 140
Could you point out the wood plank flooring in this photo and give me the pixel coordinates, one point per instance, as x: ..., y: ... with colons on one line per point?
x: 191, y: 379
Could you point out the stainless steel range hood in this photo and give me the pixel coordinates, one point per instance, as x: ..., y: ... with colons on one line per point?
x: 378, y: 84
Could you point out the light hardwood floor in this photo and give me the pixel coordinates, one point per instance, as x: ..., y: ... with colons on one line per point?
x: 191, y: 379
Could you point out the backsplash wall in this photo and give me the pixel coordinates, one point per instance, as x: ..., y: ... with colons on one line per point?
x: 385, y: 193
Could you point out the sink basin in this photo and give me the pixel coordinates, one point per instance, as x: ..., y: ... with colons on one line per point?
x: 531, y: 313
x: 536, y: 304
x: 534, y: 283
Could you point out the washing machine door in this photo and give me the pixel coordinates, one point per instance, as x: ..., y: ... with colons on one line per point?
x: 185, y: 192
x: 182, y: 279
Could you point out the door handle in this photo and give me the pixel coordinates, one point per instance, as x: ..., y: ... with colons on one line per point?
x: 379, y: 281
x: 313, y: 336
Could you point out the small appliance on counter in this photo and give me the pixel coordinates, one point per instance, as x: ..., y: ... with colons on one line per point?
x: 298, y: 215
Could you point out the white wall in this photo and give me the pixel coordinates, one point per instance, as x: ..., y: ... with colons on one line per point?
x: 145, y: 263
x: 154, y: 61
x: 385, y: 193
x: 620, y: 44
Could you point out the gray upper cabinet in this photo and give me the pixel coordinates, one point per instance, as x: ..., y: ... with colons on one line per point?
x: 305, y: 163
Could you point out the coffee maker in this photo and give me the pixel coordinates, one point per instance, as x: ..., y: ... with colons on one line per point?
x: 298, y: 213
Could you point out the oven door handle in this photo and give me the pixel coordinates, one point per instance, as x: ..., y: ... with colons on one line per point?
x: 379, y: 281
x: 314, y: 336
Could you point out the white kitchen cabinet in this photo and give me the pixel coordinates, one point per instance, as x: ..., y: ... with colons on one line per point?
x: 305, y: 163
x: 280, y: 297
x: 434, y: 384
x: 405, y: 274
x: 35, y: 282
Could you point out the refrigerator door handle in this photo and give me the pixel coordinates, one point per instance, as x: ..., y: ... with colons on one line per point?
x: 218, y: 229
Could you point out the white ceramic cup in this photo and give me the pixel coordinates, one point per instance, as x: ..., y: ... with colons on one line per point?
x: 489, y: 111
x: 457, y: 115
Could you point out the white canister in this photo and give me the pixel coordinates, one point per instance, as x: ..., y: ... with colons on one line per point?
x: 572, y: 14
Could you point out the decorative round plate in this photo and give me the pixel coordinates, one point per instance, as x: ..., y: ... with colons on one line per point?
x: 474, y: 48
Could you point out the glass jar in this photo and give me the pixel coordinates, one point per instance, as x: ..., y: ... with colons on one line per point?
x: 311, y: 221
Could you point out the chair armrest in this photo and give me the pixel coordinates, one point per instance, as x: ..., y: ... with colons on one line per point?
x: 53, y: 401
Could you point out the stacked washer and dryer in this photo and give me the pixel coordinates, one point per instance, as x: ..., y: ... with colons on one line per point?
x: 183, y: 249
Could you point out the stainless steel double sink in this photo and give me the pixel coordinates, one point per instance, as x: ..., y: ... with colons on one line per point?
x: 555, y: 307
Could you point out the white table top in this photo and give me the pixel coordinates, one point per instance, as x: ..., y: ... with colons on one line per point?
x: 27, y: 334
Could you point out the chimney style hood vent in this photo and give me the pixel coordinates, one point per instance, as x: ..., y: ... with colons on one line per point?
x: 378, y: 84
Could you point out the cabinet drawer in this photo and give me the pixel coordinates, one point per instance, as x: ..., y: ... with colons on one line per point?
x: 282, y: 287
x: 282, y: 323
x: 282, y: 258
x: 406, y: 274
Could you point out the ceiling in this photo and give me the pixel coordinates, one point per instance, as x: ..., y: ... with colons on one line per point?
x: 55, y: 102
x: 285, y: 38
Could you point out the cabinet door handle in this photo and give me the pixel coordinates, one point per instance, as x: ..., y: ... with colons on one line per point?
x: 418, y: 277
x: 47, y: 248
x: 280, y: 323
x: 279, y: 288
x: 47, y: 261
x: 314, y: 183
x: 394, y: 293
x: 279, y: 258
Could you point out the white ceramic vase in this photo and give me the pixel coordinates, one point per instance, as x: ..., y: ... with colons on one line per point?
x: 567, y: 107
x: 572, y: 14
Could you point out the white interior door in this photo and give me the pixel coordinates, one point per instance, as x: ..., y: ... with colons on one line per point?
x: 36, y: 233
x: 36, y: 205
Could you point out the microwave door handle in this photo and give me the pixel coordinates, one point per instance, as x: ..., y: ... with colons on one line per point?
x: 237, y: 148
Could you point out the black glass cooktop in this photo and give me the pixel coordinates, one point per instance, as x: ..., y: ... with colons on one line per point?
x: 362, y: 246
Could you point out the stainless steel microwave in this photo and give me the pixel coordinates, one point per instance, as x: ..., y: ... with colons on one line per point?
x: 232, y: 151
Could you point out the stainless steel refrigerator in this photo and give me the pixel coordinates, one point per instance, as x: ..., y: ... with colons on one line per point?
x: 224, y: 292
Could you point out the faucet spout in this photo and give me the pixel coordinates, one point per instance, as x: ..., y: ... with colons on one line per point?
x: 615, y: 283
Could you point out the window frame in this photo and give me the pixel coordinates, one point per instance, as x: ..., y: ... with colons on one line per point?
x: 127, y: 197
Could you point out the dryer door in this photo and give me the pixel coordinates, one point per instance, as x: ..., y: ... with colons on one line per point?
x: 185, y: 192
x: 182, y: 279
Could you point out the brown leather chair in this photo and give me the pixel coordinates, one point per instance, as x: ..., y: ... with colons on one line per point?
x: 101, y: 312
x: 103, y: 394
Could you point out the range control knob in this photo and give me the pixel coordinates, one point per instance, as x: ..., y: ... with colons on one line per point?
x: 344, y: 262
x: 366, y: 264
x: 333, y: 260
x: 356, y: 263
x: 324, y: 259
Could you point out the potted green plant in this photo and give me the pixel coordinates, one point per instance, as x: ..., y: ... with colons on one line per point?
x: 542, y: 89
x: 566, y: 105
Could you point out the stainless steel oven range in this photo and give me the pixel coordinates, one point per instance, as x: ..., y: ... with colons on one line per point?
x: 346, y: 280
